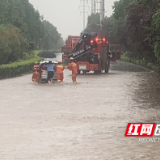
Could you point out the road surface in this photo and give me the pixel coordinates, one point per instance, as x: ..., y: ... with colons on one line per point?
x: 86, y: 121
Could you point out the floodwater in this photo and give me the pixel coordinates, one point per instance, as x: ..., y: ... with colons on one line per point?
x: 86, y: 121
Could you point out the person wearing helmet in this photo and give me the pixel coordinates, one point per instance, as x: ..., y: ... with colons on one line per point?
x: 36, y: 67
x: 73, y: 67
x: 59, y: 70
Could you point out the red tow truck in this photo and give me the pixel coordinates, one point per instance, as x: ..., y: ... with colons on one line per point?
x: 92, y: 53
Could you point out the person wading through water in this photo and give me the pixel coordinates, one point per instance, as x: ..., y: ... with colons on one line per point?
x: 36, y: 76
x: 59, y: 70
x: 50, y: 68
x: 73, y: 67
x: 36, y: 67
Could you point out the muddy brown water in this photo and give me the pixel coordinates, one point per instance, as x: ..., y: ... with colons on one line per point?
x: 86, y: 121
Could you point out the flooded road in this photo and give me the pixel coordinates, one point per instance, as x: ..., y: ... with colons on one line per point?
x: 86, y: 121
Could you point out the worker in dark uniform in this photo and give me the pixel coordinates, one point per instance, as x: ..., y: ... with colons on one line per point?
x: 73, y: 67
x: 59, y: 70
x: 50, y: 68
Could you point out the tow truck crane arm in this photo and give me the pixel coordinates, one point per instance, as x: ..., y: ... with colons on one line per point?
x: 85, y: 42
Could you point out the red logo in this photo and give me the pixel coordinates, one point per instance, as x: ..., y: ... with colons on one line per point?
x: 140, y: 129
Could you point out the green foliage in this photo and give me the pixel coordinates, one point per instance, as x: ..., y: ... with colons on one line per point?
x: 17, y: 68
x: 93, y: 24
x: 144, y: 63
x: 109, y: 30
x: 117, y: 22
x: 120, y: 9
x: 94, y: 19
x: 113, y: 27
x: 156, y: 23
x: 135, y: 24
x: 12, y: 43
x: 157, y: 49
x: 156, y: 20
x: 21, y: 14
x: 28, y: 30
x: 51, y: 39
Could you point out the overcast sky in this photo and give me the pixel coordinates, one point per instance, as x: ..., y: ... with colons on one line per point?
x: 65, y: 14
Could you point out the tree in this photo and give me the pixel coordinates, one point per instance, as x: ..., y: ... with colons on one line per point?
x: 12, y: 43
x: 93, y: 24
x: 51, y: 37
x: 22, y: 15
x: 156, y: 23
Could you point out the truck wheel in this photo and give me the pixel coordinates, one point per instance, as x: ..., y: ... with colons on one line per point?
x: 108, y: 66
x: 84, y: 72
x: 97, y: 72
x: 107, y: 70
x: 79, y: 72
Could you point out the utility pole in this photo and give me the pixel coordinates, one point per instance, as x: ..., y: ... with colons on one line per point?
x: 102, y: 11
x: 84, y: 12
x: 98, y: 6
x: 93, y: 6
x: 102, y: 16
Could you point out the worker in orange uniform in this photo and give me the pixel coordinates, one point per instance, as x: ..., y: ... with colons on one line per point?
x: 36, y: 76
x: 36, y: 67
x: 59, y: 70
x: 73, y: 67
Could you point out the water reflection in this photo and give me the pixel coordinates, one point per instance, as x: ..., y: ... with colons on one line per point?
x: 148, y: 90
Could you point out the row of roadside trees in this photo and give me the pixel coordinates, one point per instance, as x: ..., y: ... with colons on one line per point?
x: 22, y: 28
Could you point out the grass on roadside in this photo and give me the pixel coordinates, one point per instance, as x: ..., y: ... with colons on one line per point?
x: 144, y: 63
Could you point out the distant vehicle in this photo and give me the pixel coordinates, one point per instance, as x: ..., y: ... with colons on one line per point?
x: 71, y: 42
x: 44, y: 72
x: 116, y: 50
